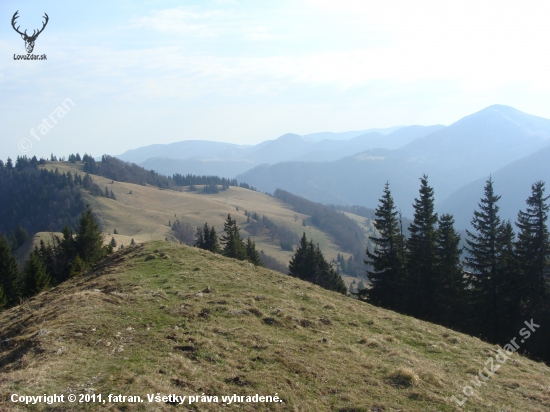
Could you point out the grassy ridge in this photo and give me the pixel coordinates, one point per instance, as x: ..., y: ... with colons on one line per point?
x: 167, y: 318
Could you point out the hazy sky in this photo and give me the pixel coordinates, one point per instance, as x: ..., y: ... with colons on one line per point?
x: 143, y: 72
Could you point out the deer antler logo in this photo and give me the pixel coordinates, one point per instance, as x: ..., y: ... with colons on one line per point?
x: 29, y: 40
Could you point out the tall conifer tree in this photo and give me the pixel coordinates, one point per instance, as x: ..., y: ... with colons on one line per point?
x: 302, y: 263
x: 9, y: 272
x: 326, y: 276
x: 484, y: 246
x: 89, y: 239
x: 213, y: 242
x: 199, y: 241
x: 233, y: 245
x: 35, y: 278
x: 251, y: 253
x: 509, y: 284
x: 533, y: 248
x: 309, y: 264
x: 387, y: 258
x: 449, y: 296
x: 422, y: 255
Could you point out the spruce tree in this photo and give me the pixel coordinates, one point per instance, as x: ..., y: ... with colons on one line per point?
x: 484, y: 247
x: 509, y: 287
x: 302, y: 263
x: 449, y: 296
x: 59, y: 257
x: 77, y: 267
x: 252, y: 254
x: 35, y: 277
x: 422, y: 255
x: 387, y: 259
x: 89, y: 239
x: 533, y: 249
x: 213, y: 242
x: 9, y: 272
x: 233, y: 245
x: 199, y: 238
x: 325, y: 275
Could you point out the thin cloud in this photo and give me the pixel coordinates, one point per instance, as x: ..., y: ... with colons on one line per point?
x: 181, y: 21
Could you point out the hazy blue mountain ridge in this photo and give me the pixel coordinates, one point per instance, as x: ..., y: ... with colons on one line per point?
x: 468, y: 150
x: 317, y: 137
x: 512, y: 182
x: 228, y: 160
x: 186, y: 149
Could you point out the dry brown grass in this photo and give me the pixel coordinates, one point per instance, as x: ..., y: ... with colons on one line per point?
x: 189, y: 322
x: 144, y: 215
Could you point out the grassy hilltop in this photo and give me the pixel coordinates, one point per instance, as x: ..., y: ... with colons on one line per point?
x: 165, y: 318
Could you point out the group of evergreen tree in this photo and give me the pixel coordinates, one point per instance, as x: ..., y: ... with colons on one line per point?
x: 192, y: 180
x: 51, y: 264
x: 73, y: 158
x: 346, y: 266
x: 207, y: 239
x: 232, y: 243
x: 309, y: 264
x: 256, y: 225
x: 109, y: 193
x: 40, y: 199
x: 345, y: 231
x: 247, y: 186
x: 501, y: 282
x: 22, y: 163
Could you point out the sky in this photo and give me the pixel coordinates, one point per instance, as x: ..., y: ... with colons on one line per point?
x: 144, y: 72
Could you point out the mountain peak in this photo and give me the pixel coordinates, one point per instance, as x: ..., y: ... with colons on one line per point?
x: 290, y: 137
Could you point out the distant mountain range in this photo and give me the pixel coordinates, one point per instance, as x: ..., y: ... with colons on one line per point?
x: 352, y: 167
x: 317, y: 137
x: 229, y: 160
x: 467, y: 151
